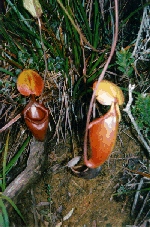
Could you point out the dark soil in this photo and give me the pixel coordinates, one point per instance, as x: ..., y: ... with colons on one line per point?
x: 61, y: 199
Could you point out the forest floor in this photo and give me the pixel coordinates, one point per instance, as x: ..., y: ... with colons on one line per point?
x: 59, y: 198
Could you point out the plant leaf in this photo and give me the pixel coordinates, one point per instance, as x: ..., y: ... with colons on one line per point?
x: 4, y: 216
x: 33, y: 7
x: 15, y: 158
x: 14, y: 206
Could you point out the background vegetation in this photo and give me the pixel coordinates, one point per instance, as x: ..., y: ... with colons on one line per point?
x: 72, y: 64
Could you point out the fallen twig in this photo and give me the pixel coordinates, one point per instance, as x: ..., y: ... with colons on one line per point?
x: 10, y: 122
x: 137, y: 196
x: 128, y: 111
x: 33, y: 170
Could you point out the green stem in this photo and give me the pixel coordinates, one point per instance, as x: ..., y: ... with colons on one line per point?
x: 4, y: 164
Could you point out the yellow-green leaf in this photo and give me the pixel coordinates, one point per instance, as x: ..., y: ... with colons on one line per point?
x: 33, y: 7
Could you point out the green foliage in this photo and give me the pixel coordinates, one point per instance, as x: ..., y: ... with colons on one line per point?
x: 60, y: 37
x: 8, y: 87
x: 4, y: 220
x: 14, y: 160
x: 125, y: 62
x: 56, y: 64
x: 65, y: 52
x: 48, y: 191
x: 121, y: 190
x: 141, y: 112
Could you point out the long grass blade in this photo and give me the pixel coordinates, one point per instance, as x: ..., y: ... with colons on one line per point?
x: 4, y: 164
x: 4, y: 218
x: 14, y: 206
x: 6, y: 71
x: 2, y: 223
x: 9, y: 166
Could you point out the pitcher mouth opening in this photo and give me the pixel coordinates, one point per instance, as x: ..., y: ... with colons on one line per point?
x: 85, y: 172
